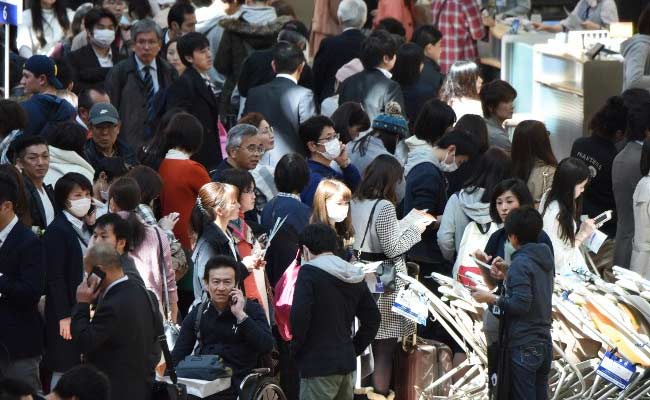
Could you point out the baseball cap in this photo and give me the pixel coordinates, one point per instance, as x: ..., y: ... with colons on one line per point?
x: 103, y: 112
x: 43, y: 65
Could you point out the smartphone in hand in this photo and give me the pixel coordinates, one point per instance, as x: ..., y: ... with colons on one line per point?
x: 101, y: 275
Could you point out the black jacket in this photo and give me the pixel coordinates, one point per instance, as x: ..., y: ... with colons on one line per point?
x: 22, y: 265
x: 191, y: 93
x: 240, y: 346
x: 36, y: 209
x: 64, y: 274
x: 86, y: 71
x: 333, y: 53
x: 327, y: 297
x: 121, y: 339
x: 373, y: 90
x: 257, y: 70
x: 285, y: 105
x: 122, y: 150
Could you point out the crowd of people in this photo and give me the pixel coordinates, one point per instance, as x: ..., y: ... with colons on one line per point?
x: 150, y: 151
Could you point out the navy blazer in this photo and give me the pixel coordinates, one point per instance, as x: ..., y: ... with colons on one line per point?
x: 22, y: 265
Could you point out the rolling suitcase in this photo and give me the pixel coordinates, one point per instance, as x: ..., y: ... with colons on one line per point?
x: 420, y: 363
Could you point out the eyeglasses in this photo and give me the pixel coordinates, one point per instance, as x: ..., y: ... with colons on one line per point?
x: 145, y: 43
x: 255, y: 149
x: 335, y: 136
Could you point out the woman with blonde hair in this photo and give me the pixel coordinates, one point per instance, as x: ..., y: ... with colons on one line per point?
x: 332, y: 207
x: 216, y: 205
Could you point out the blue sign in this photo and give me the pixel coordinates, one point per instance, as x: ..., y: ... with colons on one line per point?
x: 9, y: 13
x: 616, y: 370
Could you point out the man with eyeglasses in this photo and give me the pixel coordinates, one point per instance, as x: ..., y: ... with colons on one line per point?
x: 135, y: 85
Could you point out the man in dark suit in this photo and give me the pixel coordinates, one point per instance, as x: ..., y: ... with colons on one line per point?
x: 284, y: 103
x: 120, y: 340
x: 373, y: 87
x: 22, y: 282
x: 335, y: 52
x: 33, y: 159
x: 196, y: 93
x: 91, y: 63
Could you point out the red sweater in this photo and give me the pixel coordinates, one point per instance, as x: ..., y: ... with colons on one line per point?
x: 182, y: 180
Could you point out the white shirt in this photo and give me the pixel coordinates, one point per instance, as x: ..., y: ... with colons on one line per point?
x: 4, y: 234
x: 386, y: 73
x: 290, y: 77
x: 76, y: 222
x: 153, y: 71
x: 47, y: 206
x: 26, y: 40
x: 122, y: 279
x: 105, y: 62
x: 174, y: 154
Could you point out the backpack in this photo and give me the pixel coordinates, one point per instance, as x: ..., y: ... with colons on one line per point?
x: 475, y: 237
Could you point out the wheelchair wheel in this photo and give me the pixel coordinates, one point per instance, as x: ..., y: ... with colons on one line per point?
x: 264, y: 388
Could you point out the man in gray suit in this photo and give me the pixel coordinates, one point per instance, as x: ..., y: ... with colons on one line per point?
x: 284, y: 104
x: 625, y: 176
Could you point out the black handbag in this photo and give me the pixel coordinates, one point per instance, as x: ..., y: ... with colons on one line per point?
x: 386, y: 272
x: 205, y: 368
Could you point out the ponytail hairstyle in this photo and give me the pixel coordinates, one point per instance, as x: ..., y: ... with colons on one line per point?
x: 124, y: 193
x: 212, y: 195
x: 61, y: 12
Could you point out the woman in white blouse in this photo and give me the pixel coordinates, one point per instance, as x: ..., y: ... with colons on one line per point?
x: 461, y: 89
x: 44, y: 25
x: 561, y: 207
x: 640, y: 261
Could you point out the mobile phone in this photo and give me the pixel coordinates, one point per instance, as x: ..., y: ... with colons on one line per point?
x: 91, y: 209
x: 602, y: 218
x: 233, y: 299
x: 101, y: 275
x: 480, y: 263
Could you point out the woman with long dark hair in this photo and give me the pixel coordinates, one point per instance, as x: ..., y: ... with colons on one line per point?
x: 461, y: 88
x: 407, y: 71
x: 44, y: 25
x: 561, y: 208
x: 532, y: 157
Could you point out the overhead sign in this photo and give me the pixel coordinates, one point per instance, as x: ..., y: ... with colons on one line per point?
x: 11, y: 12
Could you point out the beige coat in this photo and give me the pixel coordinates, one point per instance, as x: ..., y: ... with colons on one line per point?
x: 324, y: 24
x: 540, y: 179
x: 640, y: 261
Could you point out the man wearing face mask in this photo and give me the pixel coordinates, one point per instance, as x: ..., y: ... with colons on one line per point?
x: 324, y: 147
x: 91, y: 63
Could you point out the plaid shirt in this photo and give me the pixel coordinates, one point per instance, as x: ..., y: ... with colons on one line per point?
x: 461, y: 26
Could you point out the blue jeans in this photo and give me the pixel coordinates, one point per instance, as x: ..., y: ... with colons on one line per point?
x: 530, y: 365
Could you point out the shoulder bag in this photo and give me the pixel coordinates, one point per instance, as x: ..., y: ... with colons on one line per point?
x: 386, y: 271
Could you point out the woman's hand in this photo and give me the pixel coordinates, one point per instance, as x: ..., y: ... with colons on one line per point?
x: 253, y: 262
x: 425, y: 220
x: 64, y: 328
x: 587, y: 228
x: 590, y: 25
x: 167, y: 223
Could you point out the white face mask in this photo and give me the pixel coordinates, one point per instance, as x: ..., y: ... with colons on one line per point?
x: 444, y: 167
x: 332, y: 149
x: 103, y: 37
x: 103, y: 194
x: 79, y: 208
x: 336, y: 212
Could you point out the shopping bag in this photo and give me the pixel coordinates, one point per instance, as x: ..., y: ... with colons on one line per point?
x: 283, y: 300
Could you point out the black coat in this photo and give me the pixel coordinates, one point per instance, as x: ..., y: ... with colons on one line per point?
x: 86, y: 71
x: 36, y: 209
x: 121, y: 339
x: 64, y: 274
x: 122, y: 150
x: 333, y: 53
x: 22, y: 265
x: 285, y: 105
x: 373, y: 90
x: 257, y: 71
x: 191, y: 93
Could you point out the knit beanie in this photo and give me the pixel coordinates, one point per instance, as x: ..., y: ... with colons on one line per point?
x: 392, y: 120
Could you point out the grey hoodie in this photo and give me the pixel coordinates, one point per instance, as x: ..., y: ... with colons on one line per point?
x: 636, y: 51
x: 338, y: 268
x: 462, y: 208
x: 419, y: 152
x: 258, y: 15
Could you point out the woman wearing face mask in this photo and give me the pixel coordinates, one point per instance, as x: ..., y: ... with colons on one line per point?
x: 44, y: 25
x: 91, y: 63
x: 65, y: 240
x: 332, y: 207
x: 379, y: 236
x: 216, y: 206
x: 325, y: 149
x: 561, y: 207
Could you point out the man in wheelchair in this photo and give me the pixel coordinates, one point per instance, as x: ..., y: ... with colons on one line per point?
x: 229, y: 326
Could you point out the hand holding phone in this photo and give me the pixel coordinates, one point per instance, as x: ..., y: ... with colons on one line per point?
x: 601, y: 219
x: 95, y: 276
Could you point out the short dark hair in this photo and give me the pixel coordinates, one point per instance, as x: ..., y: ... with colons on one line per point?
x: 94, y: 15
x: 638, y: 122
x: 380, y: 43
x: 12, y: 116
x: 113, y: 167
x: 184, y: 131
x: 8, y: 189
x: 67, y: 136
x: 610, y: 119
x: 189, y: 43
x: 221, y: 261
x: 348, y: 115
x: 291, y: 173
x: 125, y: 193
x: 475, y: 124
x: 178, y: 11
x: 319, y: 238
x: 495, y: 92
x: 645, y: 158
x: 643, y: 24
x: 84, y: 99
x: 465, y: 143
x: 425, y: 35
x: 121, y: 228
x: 148, y: 180
x: 311, y: 129
x: 21, y: 143
x: 407, y: 67
x: 296, y: 33
x: 525, y: 223
x: 14, y: 389
x: 83, y: 382
x: 287, y: 58
x: 392, y: 26
x: 66, y: 184
x: 518, y: 188
x: 239, y: 178
x: 434, y: 119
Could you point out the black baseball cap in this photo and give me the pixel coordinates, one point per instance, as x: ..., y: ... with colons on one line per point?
x: 43, y: 65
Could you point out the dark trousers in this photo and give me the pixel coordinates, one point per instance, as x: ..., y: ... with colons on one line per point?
x: 530, y: 365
